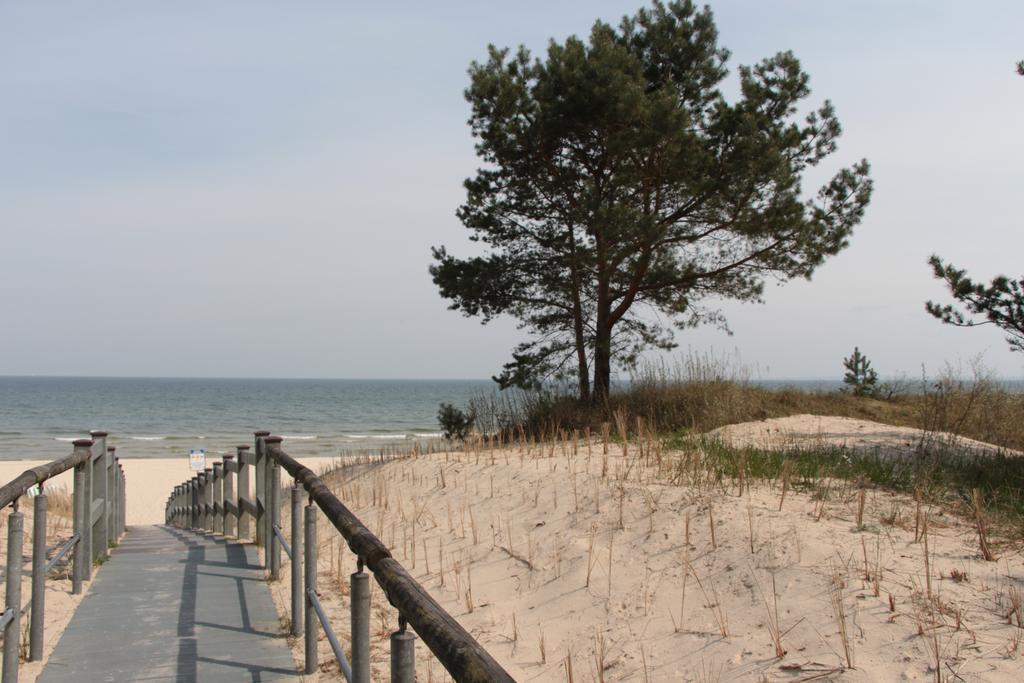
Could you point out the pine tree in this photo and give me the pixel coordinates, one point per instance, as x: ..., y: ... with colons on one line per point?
x: 860, y: 376
x: 620, y: 192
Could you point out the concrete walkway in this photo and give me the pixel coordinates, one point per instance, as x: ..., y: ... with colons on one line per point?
x: 172, y: 605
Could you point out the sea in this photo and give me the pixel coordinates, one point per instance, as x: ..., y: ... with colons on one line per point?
x: 165, y: 417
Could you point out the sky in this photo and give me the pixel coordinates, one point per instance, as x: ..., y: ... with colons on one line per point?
x: 252, y: 188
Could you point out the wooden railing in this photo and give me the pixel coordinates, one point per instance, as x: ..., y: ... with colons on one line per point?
x: 98, y: 506
x: 210, y: 502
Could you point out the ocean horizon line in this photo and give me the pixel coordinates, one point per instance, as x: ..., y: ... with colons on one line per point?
x: 772, y: 380
x: 220, y: 378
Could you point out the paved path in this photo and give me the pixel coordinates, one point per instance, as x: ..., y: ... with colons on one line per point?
x: 172, y: 605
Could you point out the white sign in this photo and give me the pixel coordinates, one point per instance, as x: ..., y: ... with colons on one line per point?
x: 197, y: 459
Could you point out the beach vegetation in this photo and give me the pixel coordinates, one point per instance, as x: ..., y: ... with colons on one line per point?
x: 622, y: 194
x: 698, y: 393
x: 860, y: 378
x: 455, y: 423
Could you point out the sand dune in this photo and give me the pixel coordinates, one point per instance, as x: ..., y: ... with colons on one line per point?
x: 847, y: 432
x: 634, y: 568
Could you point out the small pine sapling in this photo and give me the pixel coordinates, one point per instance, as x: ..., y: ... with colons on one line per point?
x: 860, y: 378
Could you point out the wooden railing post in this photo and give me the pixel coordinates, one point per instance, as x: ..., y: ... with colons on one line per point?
x: 111, y: 508
x: 86, y: 541
x: 273, y: 443
x: 201, y: 503
x: 12, y: 631
x: 310, y: 589
x: 35, y: 647
x: 197, y: 495
x: 175, y: 505
x: 190, y: 497
x: 218, y: 498
x: 261, y: 489
x: 229, y: 504
x: 297, y: 575
x: 208, y: 499
x: 98, y: 506
x: 194, y: 486
x: 197, y: 492
x: 117, y: 477
x: 80, y: 567
x: 244, y: 518
x: 124, y: 500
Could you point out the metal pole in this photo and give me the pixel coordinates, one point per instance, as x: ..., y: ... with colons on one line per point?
x: 12, y: 631
x: 218, y: 498
x: 260, y: 497
x: 297, y: 575
x: 403, y: 654
x: 310, y: 576
x: 35, y: 648
x: 229, y: 498
x: 80, y: 568
x: 243, y: 492
x: 360, y: 600
x: 275, y: 520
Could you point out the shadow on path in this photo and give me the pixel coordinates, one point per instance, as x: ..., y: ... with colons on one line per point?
x: 178, y: 606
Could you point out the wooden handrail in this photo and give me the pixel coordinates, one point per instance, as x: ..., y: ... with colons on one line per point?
x: 454, y: 647
x: 17, y: 487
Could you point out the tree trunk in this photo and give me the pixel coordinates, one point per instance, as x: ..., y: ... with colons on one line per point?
x: 602, y: 365
x: 602, y: 344
x: 583, y: 370
x: 581, y: 356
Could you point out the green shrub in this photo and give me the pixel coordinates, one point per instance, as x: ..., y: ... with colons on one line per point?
x: 454, y: 423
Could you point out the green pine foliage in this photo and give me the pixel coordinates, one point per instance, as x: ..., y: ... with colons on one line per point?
x: 860, y: 378
x: 621, y: 193
x: 1000, y: 303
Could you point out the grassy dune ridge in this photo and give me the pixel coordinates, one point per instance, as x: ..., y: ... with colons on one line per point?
x: 698, y: 394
